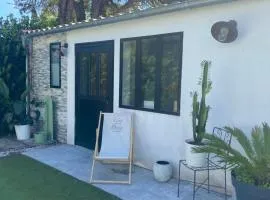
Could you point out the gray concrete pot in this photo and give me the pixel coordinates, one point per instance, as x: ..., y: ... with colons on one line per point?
x: 162, y: 171
x: 40, y: 137
x: 245, y: 191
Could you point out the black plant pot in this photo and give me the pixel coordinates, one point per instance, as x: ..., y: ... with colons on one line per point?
x: 245, y: 191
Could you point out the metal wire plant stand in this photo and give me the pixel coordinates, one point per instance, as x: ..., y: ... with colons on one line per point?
x: 212, y: 164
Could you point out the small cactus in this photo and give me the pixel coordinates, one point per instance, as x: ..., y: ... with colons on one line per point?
x: 200, y: 109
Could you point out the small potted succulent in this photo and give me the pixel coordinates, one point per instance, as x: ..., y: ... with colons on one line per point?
x: 250, y: 163
x: 199, y: 118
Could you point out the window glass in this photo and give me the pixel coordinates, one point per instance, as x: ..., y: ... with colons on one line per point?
x: 169, y: 79
x: 148, y: 72
x: 128, y: 72
x: 55, y: 64
x: 151, y: 73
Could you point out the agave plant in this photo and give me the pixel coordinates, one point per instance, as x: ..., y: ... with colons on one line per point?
x: 251, y: 164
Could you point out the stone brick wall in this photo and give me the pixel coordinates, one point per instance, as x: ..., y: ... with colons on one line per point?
x: 40, y: 81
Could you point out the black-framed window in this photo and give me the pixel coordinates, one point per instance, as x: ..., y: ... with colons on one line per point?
x: 150, y: 73
x: 55, y: 65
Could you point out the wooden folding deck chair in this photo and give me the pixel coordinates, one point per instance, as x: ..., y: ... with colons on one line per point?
x: 116, y: 143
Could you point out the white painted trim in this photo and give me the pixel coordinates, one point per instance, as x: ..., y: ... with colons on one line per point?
x: 71, y: 96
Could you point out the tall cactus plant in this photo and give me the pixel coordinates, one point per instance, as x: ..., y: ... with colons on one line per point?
x: 200, y: 109
x: 49, y: 117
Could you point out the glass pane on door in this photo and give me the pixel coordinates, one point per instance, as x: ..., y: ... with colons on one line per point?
x: 103, y: 74
x: 84, y: 62
x: 93, y: 75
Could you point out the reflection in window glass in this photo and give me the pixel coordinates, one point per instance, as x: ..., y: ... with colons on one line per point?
x: 170, y: 74
x: 84, y: 62
x: 55, y: 64
x: 103, y: 74
x: 155, y: 84
x: 92, y: 75
x: 148, y: 72
x: 128, y: 76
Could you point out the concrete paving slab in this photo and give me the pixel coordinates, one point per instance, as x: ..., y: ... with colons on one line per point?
x: 77, y: 161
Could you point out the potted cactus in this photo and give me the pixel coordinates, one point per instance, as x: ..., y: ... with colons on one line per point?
x: 199, y: 118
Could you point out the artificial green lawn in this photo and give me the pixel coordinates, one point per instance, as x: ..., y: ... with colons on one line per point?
x: 22, y: 178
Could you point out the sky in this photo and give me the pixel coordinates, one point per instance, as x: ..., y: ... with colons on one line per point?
x: 6, y: 8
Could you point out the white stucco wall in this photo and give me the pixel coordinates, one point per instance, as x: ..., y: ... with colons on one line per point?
x: 240, y: 73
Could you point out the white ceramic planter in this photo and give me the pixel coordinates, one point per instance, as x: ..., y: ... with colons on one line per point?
x: 195, y: 159
x: 162, y: 171
x: 22, y: 132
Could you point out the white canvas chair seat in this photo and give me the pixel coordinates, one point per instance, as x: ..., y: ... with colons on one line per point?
x: 116, y: 142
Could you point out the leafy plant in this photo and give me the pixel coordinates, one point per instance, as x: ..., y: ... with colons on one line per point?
x: 21, y: 115
x: 200, y: 109
x: 250, y: 166
x: 35, y: 107
x: 12, y: 68
x: 16, y: 112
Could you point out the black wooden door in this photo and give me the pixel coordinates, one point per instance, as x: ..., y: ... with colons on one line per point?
x: 94, y: 88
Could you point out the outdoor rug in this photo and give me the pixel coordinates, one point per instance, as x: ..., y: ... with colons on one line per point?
x: 22, y: 178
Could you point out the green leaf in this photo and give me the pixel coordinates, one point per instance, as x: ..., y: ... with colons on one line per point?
x: 243, y: 141
x: 257, y: 142
x: 266, y: 136
x: 4, y: 91
x: 24, y: 94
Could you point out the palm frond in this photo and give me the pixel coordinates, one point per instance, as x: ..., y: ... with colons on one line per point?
x: 243, y: 140
x: 266, y: 137
x: 24, y: 94
x: 4, y: 91
x: 217, y: 146
x: 257, y: 142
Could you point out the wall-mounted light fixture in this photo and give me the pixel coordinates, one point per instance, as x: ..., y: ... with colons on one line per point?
x: 225, y: 32
x: 64, y: 48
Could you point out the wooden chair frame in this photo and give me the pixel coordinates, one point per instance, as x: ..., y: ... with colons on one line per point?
x: 128, y: 161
